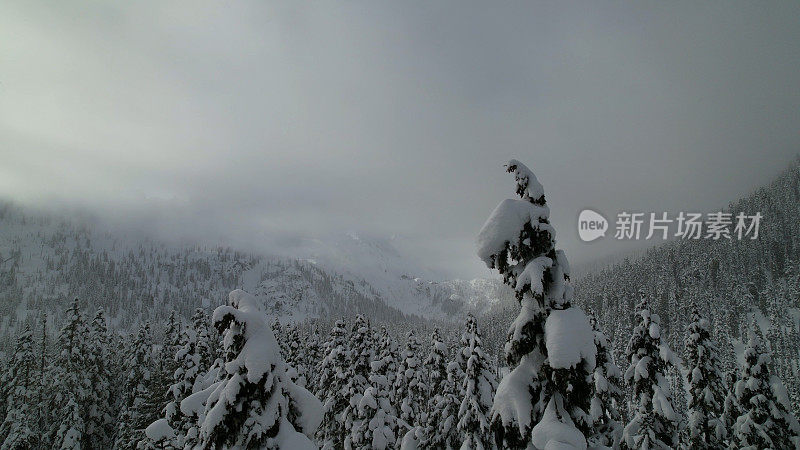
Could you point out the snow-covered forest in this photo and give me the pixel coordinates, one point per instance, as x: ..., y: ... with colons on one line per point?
x: 108, y: 344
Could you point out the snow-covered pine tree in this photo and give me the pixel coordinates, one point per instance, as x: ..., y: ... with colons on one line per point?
x: 764, y: 420
x: 72, y: 385
x: 654, y: 424
x: 608, y: 396
x: 138, y: 371
x: 386, y: 358
x: 188, y: 359
x: 377, y: 419
x: 333, y: 379
x: 550, y: 344
x: 255, y: 405
x: 409, y: 384
x: 205, y: 339
x: 99, y: 419
x: 478, y: 386
x: 173, y: 329
x: 193, y: 407
x: 162, y: 368
x: 312, y: 353
x: 445, y: 411
x: 295, y: 354
x: 278, y: 331
x: 706, y: 392
x: 731, y: 409
x: 43, y: 399
x: 18, y: 431
x: 362, y: 351
x: 436, y: 374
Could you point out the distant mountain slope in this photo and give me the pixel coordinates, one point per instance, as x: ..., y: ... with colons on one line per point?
x: 734, y: 282
x: 46, y: 259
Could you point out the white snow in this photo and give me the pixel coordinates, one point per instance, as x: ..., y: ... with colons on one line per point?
x: 505, y: 223
x: 532, y: 275
x: 780, y: 392
x: 159, y: 430
x: 309, y: 408
x: 288, y: 438
x: 525, y: 177
x: 410, y: 440
x: 512, y: 401
x: 569, y: 338
x: 261, y: 349
x: 552, y: 433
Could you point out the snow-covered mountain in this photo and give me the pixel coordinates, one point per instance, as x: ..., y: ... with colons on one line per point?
x: 47, y: 259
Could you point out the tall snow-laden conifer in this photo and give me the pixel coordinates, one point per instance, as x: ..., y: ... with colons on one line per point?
x: 436, y: 373
x: 478, y: 387
x: 333, y: 379
x: 608, y: 395
x: 44, y: 401
x: 205, y: 339
x: 764, y: 420
x: 550, y: 346
x: 358, y: 371
x: 188, y: 359
x: 19, y: 429
x: 99, y: 420
x: 71, y: 380
x: 255, y: 405
x: 409, y: 384
x: 706, y: 392
x: 386, y: 356
x: 377, y: 418
x: 445, y: 412
x: 654, y: 424
x: 295, y: 354
x: 138, y: 373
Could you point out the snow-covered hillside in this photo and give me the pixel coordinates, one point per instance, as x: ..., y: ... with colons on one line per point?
x: 48, y: 259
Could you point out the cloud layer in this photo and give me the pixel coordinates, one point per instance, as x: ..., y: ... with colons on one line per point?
x: 262, y: 123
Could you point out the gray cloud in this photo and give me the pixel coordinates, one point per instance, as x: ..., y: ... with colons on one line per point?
x: 259, y: 123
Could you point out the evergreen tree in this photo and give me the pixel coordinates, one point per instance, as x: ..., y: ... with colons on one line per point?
x: 333, y: 379
x: 519, y: 242
x: 295, y: 355
x: 44, y: 406
x: 608, y: 395
x: 445, y: 412
x: 436, y: 371
x: 377, y: 418
x: 385, y: 362
x: 188, y: 359
x: 138, y: 369
x: 72, y: 385
x: 764, y: 420
x: 99, y: 420
x: 18, y: 430
x: 255, y: 405
x: 156, y: 395
x: 205, y: 339
x: 312, y: 353
x: 377, y: 421
x: 358, y: 371
x: 409, y: 384
x: 706, y: 393
x: 654, y: 424
x: 479, y: 386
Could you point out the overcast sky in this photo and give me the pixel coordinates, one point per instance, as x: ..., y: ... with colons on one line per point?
x: 264, y: 123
